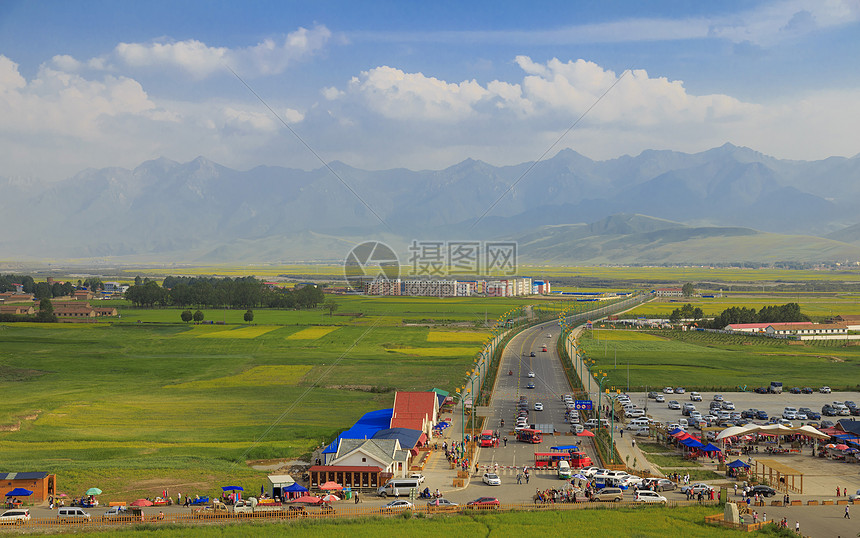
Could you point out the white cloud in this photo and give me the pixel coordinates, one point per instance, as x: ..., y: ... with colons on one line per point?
x: 201, y: 60
x: 64, y: 62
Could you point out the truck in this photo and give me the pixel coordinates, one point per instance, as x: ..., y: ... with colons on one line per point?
x: 775, y: 387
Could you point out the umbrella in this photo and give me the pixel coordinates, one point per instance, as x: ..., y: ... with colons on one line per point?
x: 830, y: 445
x: 585, y: 433
x: 61, y: 495
x: 329, y: 498
x: 19, y: 492
x: 331, y: 486
x: 841, y: 447
x: 580, y: 477
x: 308, y: 499
x: 141, y: 502
x: 94, y: 491
x: 232, y: 488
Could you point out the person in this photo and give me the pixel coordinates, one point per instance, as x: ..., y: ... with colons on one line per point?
x: 634, y: 443
x: 797, y: 527
x: 356, y: 498
x: 160, y: 515
x: 506, y: 440
x: 844, y: 492
x: 519, y: 478
x: 736, y: 489
x: 622, y: 433
x: 847, y: 515
x: 527, y: 477
x: 764, y: 518
x: 837, y: 491
x: 438, y: 494
x: 476, y: 468
x: 755, y: 517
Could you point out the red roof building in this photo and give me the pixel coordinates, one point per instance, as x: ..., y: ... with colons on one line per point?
x: 415, y: 411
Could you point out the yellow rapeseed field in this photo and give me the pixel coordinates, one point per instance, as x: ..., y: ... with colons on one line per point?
x: 457, y: 336
x: 257, y: 376
x: 311, y: 333
x: 244, y: 332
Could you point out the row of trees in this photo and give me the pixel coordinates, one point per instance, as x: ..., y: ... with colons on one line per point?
x: 43, y: 290
x: 199, y: 316
x: 244, y: 292
x: 686, y: 312
x: 769, y: 314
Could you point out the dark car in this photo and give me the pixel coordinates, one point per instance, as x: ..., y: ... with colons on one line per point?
x: 531, y: 385
x: 532, y: 354
x: 828, y: 410
x: 795, y: 390
x: 827, y: 424
x: 766, y: 491
x: 761, y: 415
x: 854, y: 411
x: 761, y: 390
x: 810, y: 414
x: 749, y: 413
x: 662, y: 484
x: 807, y: 390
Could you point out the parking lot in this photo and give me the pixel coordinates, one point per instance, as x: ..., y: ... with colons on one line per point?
x: 772, y: 404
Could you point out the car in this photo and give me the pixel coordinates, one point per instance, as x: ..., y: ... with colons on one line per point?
x: 810, y: 414
x: 532, y: 354
x: 827, y: 424
x: 609, y: 494
x: 855, y: 496
x: 538, y: 406
x: 807, y: 390
x: 825, y: 390
x: 492, y: 479
x: 674, y: 404
x: 736, y: 416
x: 729, y: 406
x: 396, y: 506
x: 668, y: 390
x: 742, y: 422
x: 659, y: 398
x: 548, y: 335
x: 801, y: 416
x: 634, y: 413
x: 115, y: 512
x: 531, y: 385
x: 785, y: 422
x: 855, y: 411
x: 696, y: 488
x: 679, y: 390
x: 531, y: 374
x: 652, y: 394
x: 749, y: 413
x: 850, y: 404
x: 695, y: 397
x: 794, y: 390
x: 417, y: 476
x: 661, y: 484
x: 17, y: 516
x: 789, y: 413
x: 645, y: 496
x: 760, y: 390
x: 828, y: 410
x: 718, y: 397
x: 484, y: 502
x: 761, y: 415
x: 441, y: 503
x: 765, y: 491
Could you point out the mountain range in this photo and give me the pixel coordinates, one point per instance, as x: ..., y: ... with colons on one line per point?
x: 722, y: 205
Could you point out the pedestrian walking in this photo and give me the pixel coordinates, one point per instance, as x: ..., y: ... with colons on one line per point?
x: 736, y: 489
x: 837, y: 491
x: 527, y: 478
x: 519, y: 478
x: 764, y: 518
x: 506, y: 441
x: 634, y: 443
x: 622, y: 434
x: 356, y: 497
x: 844, y: 492
x: 847, y: 515
x: 797, y: 527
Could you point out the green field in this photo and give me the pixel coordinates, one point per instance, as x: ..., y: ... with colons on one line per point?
x: 138, y: 407
x: 711, y: 361
x: 817, y: 306
x: 644, y: 521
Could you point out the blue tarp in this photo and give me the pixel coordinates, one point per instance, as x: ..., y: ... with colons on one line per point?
x: 295, y: 486
x: 565, y: 447
x: 19, y: 492
x: 737, y: 463
x: 676, y: 430
x: 710, y: 448
x: 364, y: 428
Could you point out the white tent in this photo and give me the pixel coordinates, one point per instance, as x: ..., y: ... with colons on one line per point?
x: 772, y: 429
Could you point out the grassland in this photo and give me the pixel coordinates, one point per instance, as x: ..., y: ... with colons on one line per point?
x: 710, y: 361
x: 137, y: 407
x: 642, y: 521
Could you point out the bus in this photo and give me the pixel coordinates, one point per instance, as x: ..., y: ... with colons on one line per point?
x: 488, y: 439
x: 530, y: 436
x: 550, y: 460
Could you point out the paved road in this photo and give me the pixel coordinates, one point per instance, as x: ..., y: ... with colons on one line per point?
x: 550, y: 384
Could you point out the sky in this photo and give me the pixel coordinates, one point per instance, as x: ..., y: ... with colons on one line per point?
x: 420, y: 85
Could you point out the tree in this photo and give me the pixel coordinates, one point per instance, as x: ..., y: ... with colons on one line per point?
x: 186, y: 316
x: 688, y: 290
x: 249, y: 316
x: 198, y: 316
x: 331, y: 305
x: 138, y: 281
x: 46, y: 311
x: 42, y: 291
x: 698, y: 313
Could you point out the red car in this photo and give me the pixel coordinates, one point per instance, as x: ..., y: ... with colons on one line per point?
x: 484, y: 502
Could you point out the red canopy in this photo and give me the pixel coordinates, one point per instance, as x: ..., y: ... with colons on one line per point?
x: 585, y: 433
x: 141, y: 502
x: 330, y: 485
x: 308, y: 499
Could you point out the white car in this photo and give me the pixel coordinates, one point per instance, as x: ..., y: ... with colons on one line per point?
x: 824, y: 390
x: 679, y: 390
x: 549, y: 335
x: 17, y: 516
x: 396, y: 506
x: 531, y: 374
x: 645, y: 496
x: 718, y: 397
x: 538, y: 406
x: 634, y: 413
x: 695, y: 397
x: 660, y: 398
x: 417, y: 476
x: 668, y: 390
x: 674, y: 405
x: 492, y: 479
x: 729, y: 406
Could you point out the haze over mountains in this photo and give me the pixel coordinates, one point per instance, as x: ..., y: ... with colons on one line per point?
x: 722, y: 205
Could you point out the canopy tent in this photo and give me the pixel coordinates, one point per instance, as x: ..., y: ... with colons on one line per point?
x: 307, y: 499
x: 141, y: 502
x: 294, y: 488
x: 710, y: 448
x: 564, y: 448
x: 691, y: 443
x: 232, y: 488
x: 585, y: 433
x: 737, y: 463
x: 733, y: 431
x: 331, y: 486
x: 19, y: 492
x: 770, y: 429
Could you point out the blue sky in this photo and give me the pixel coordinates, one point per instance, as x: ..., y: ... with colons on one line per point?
x: 420, y: 85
